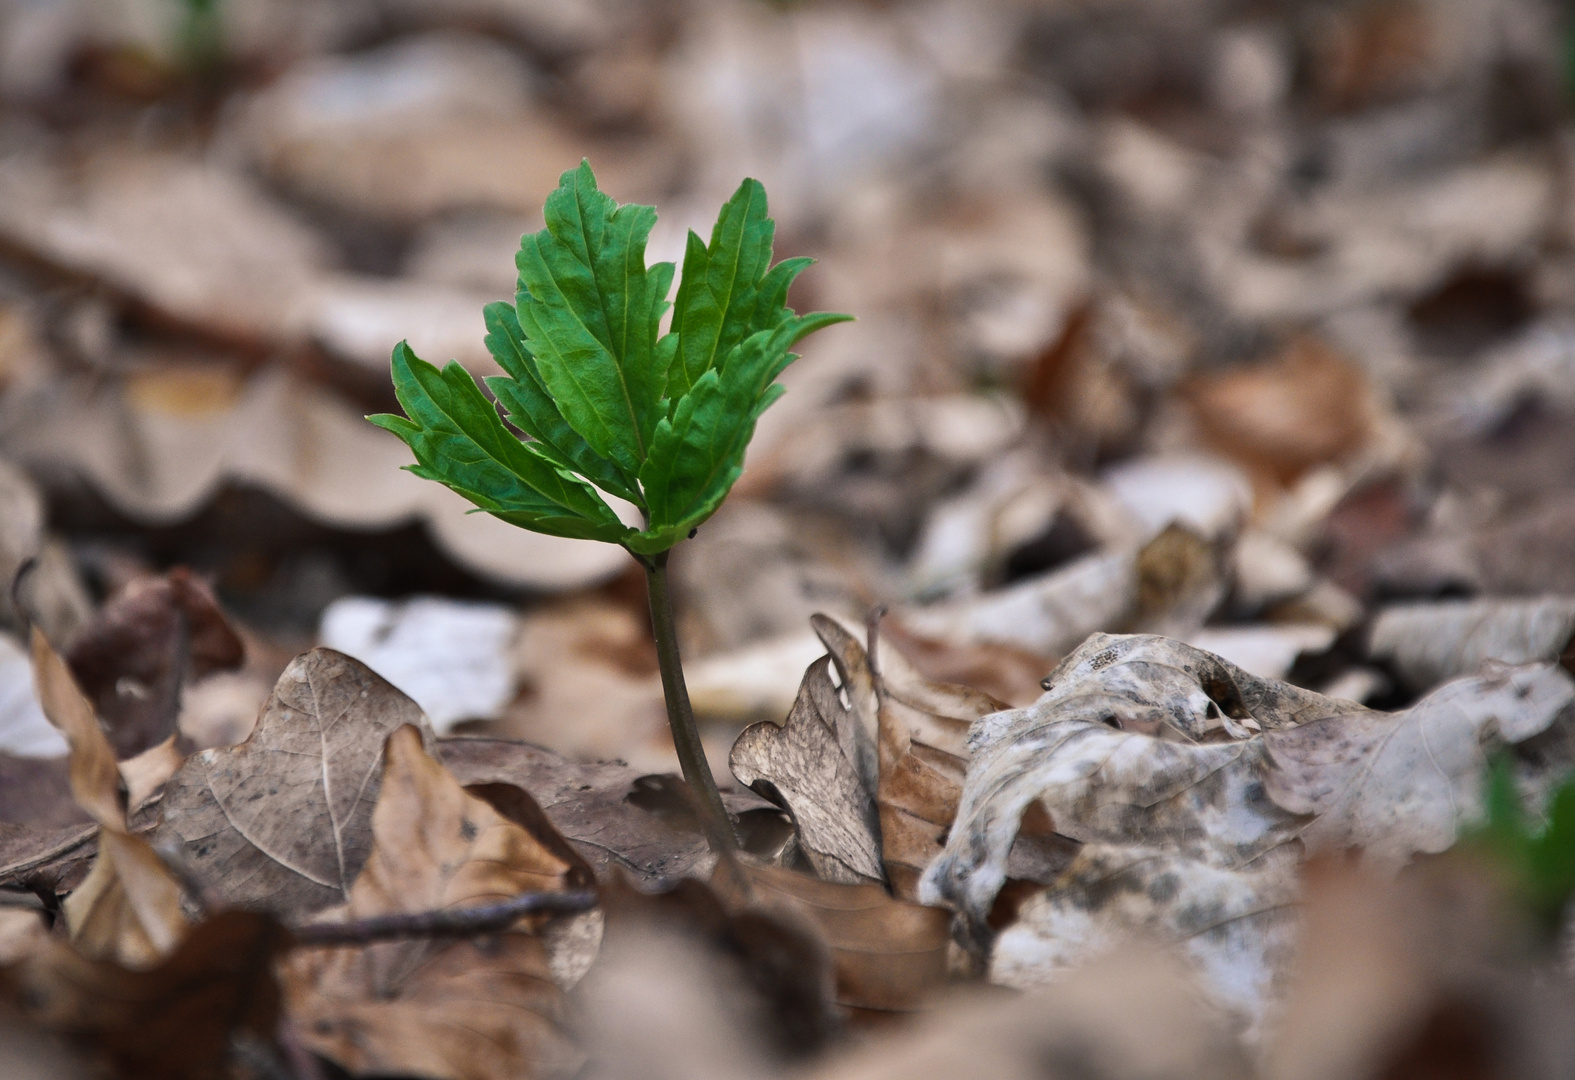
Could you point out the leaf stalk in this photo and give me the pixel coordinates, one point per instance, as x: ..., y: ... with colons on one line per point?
x: 680, y: 716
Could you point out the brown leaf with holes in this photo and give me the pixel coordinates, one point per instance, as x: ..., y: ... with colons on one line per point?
x: 174, y: 1020
x: 284, y: 820
x: 134, y: 656
x: 481, y: 1009
x: 801, y: 764
x: 887, y: 955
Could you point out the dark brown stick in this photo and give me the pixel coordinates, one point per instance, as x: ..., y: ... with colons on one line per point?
x: 454, y: 922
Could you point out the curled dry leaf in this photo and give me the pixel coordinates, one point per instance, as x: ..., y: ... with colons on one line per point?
x: 1397, y: 784
x: 457, y: 1010
x: 801, y: 764
x: 887, y: 955
x: 284, y: 820
x: 1235, y: 928
x: 95, y: 780
x: 1427, y: 643
x: 923, y: 758
x: 174, y: 1020
x: 128, y: 908
x: 132, y: 658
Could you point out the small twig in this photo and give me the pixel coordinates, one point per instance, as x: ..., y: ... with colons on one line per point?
x: 455, y: 922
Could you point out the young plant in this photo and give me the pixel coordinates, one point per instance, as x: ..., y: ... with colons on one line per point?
x: 605, y: 402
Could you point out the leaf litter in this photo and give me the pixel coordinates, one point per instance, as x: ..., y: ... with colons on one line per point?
x: 1252, y: 333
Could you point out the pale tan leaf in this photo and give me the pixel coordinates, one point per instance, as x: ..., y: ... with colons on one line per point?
x: 128, y: 909
x: 1427, y: 643
x: 284, y: 820
x: 1398, y: 784
x: 1236, y: 928
x: 484, y: 1009
x: 95, y: 780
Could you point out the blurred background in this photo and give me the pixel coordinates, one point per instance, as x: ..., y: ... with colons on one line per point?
x: 1248, y: 323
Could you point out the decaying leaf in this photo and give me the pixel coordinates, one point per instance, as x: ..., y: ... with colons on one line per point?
x: 132, y: 658
x: 1397, y: 784
x: 483, y: 1009
x: 1147, y: 741
x: 176, y: 1019
x: 284, y: 820
x: 887, y: 955
x: 801, y: 764
x: 1236, y: 928
x: 1427, y: 643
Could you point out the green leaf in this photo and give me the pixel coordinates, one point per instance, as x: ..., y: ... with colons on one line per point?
x: 530, y: 407
x: 718, y: 299
x: 589, y: 311
x: 698, y: 453
x: 460, y: 441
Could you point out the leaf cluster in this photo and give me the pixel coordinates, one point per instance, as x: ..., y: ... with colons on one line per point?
x: 604, y: 401
x: 1539, y: 858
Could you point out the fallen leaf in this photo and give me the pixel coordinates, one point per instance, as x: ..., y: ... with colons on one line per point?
x: 1235, y: 928
x: 923, y: 759
x: 133, y: 658
x: 1137, y: 740
x: 1398, y: 784
x: 1307, y: 407
x: 1429, y: 643
x: 887, y: 955
x: 95, y: 779
x: 176, y: 1019
x: 284, y: 820
x: 455, y: 1010
x: 128, y: 909
x: 801, y: 764
x: 606, y: 811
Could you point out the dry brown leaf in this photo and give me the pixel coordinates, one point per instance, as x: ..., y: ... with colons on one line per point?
x: 485, y: 1009
x: 95, y: 779
x: 612, y: 816
x: 133, y: 658
x: 1397, y: 784
x: 175, y: 1020
x: 284, y: 820
x: 923, y: 758
x: 1235, y: 928
x: 887, y: 955
x: 1307, y: 407
x: 802, y: 765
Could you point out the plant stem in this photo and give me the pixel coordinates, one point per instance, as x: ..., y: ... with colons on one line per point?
x: 686, y: 737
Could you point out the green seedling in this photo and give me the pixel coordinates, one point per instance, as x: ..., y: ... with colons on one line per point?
x: 1538, y: 860
x: 603, y: 402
